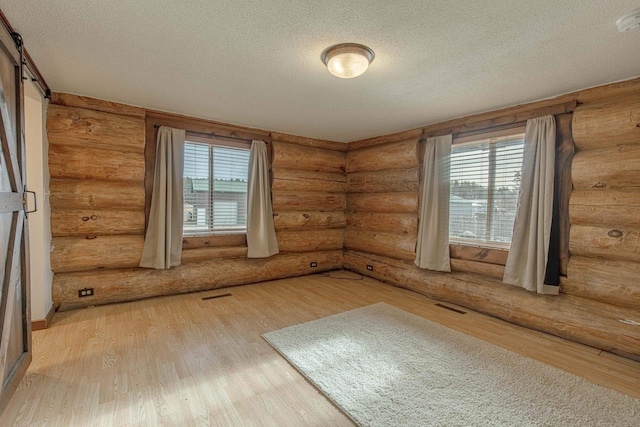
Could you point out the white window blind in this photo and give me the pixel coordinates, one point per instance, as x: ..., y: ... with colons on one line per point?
x: 485, y: 181
x: 215, y: 188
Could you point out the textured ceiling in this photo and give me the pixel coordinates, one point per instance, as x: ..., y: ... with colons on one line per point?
x: 257, y: 62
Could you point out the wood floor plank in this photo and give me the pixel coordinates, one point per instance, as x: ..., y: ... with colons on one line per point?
x: 181, y: 360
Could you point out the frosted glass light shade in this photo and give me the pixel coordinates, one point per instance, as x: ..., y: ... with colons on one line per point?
x: 347, y: 60
x: 630, y: 21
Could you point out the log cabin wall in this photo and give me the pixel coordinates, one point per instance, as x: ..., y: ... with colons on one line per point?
x: 308, y: 192
x: 97, y: 162
x: 382, y: 200
x: 605, y: 203
x: 600, y: 257
x: 98, y: 215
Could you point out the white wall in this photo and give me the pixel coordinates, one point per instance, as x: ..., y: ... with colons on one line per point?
x: 39, y: 222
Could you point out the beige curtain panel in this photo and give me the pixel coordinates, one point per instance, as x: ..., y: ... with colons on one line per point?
x: 163, y: 241
x: 432, y: 250
x: 261, y: 232
x: 527, y: 259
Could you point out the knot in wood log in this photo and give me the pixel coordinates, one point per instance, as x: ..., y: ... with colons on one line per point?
x: 622, y: 147
x: 85, y: 218
x: 599, y: 185
x: 94, y: 217
x: 91, y: 237
x: 615, y: 233
x: 306, y: 216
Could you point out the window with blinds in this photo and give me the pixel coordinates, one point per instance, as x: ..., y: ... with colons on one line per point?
x: 485, y: 181
x: 215, y: 188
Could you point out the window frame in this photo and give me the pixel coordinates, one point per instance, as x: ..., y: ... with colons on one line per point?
x: 459, y: 243
x: 200, y: 127
x: 214, y: 141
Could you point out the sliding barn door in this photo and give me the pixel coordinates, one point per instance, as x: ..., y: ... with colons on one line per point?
x: 15, y: 322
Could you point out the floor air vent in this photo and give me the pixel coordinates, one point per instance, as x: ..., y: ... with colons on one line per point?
x: 216, y: 296
x: 451, y: 308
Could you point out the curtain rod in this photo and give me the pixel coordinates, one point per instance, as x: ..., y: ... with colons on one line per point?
x: 459, y: 134
x: 215, y: 135
x: 513, y: 125
x: 488, y: 125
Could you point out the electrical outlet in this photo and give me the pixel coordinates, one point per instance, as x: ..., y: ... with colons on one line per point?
x: 369, y: 267
x: 314, y: 264
x: 86, y: 292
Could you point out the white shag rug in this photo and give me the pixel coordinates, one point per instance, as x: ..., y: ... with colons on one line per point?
x: 385, y: 367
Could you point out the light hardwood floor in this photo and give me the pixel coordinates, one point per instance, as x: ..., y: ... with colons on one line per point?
x: 181, y: 360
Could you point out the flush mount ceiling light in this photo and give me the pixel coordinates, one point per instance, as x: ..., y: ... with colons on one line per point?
x: 629, y: 21
x: 347, y: 60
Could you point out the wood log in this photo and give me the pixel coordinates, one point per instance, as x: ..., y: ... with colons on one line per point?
x: 582, y: 320
x: 310, y: 240
x: 414, y: 134
x: 304, y: 181
x: 612, y: 121
x: 95, y: 163
x: 613, y: 282
x: 396, y: 155
x: 94, y: 194
x: 615, y: 216
x: 137, y: 283
x: 616, y: 207
x: 383, y: 202
x: 308, y: 220
x: 214, y: 252
x: 397, y: 223
x: 478, y: 254
x: 609, y: 167
x: 309, y: 142
x: 618, y: 244
x: 96, y: 222
x: 388, y: 244
x: 292, y: 201
x: 384, y: 181
x: 193, y: 124
x: 293, y: 156
x: 214, y: 240
x: 611, y: 90
x: 491, y: 270
x: 80, y: 127
x: 96, y: 104
x: 563, y: 185
x: 79, y: 254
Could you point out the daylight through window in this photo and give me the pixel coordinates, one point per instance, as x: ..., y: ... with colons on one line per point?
x: 485, y: 181
x: 215, y: 188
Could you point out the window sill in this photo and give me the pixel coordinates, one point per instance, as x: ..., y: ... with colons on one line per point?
x: 475, y: 252
x: 473, y: 243
x: 215, y: 239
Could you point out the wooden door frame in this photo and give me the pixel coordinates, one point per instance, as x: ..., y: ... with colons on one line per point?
x: 11, y: 44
